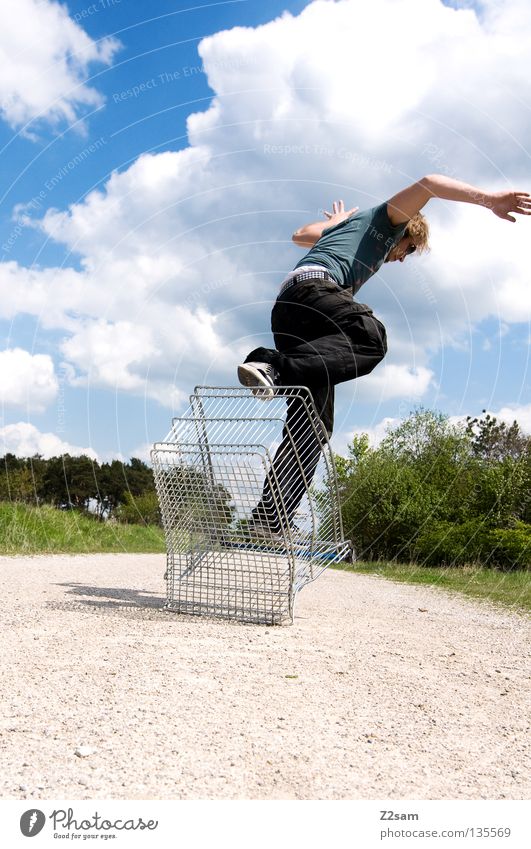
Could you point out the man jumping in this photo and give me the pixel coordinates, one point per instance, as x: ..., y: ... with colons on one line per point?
x: 322, y: 335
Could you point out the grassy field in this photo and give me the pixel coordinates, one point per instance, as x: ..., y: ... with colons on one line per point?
x: 41, y: 530
x: 512, y: 589
x: 45, y: 530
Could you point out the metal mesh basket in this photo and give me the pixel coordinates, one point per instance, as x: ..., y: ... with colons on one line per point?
x: 249, y: 503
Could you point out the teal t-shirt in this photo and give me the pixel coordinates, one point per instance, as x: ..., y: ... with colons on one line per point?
x: 354, y: 249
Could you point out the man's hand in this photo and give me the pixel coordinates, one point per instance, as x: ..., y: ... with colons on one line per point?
x: 339, y: 213
x: 307, y: 236
x: 404, y: 205
x: 502, y: 203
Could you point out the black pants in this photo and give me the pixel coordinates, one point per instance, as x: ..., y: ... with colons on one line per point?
x: 323, y: 337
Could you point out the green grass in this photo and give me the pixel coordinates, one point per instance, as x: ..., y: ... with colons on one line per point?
x: 39, y: 530
x: 512, y: 589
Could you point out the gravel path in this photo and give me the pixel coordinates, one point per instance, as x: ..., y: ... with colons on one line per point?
x: 378, y: 690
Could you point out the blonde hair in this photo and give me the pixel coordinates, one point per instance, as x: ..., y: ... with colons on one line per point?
x: 418, y: 230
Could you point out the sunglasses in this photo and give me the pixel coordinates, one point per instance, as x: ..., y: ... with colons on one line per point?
x: 411, y: 249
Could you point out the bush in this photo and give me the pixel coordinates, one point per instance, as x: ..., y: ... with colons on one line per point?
x: 428, y: 493
x: 512, y: 547
x: 140, y: 509
x: 448, y: 544
x: 475, y: 542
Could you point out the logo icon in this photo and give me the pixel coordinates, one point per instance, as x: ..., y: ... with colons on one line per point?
x: 32, y: 822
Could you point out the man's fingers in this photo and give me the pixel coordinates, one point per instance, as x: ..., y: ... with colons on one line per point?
x: 522, y: 202
x: 338, y: 206
x: 518, y: 203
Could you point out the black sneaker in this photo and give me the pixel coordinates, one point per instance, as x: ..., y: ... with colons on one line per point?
x: 260, y: 377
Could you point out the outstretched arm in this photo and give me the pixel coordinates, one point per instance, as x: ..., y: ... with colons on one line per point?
x: 307, y: 236
x: 404, y: 205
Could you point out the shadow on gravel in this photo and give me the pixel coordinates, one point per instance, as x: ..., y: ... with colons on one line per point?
x: 113, y: 597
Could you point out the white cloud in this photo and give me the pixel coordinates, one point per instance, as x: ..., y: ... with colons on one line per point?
x: 375, y: 432
x: 109, y: 351
x: 508, y: 414
x: 479, y: 262
x: 520, y: 412
x: 182, y: 252
x: 25, y: 440
x: 45, y: 56
x: 394, y: 381
x: 27, y: 380
x: 143, y: 452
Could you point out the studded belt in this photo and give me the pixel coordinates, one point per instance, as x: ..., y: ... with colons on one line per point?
x: 306, y: 275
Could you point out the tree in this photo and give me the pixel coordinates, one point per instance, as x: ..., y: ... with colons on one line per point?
x: 111, y: 487
x: 70, y: 481
x: 438, y: 492
x: 495, y: 440
x: 193, y: 500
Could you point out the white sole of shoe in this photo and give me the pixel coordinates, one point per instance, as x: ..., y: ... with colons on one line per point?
x: 250, y: 376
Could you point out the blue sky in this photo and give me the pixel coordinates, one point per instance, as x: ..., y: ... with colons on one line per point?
x: 154, y: 168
